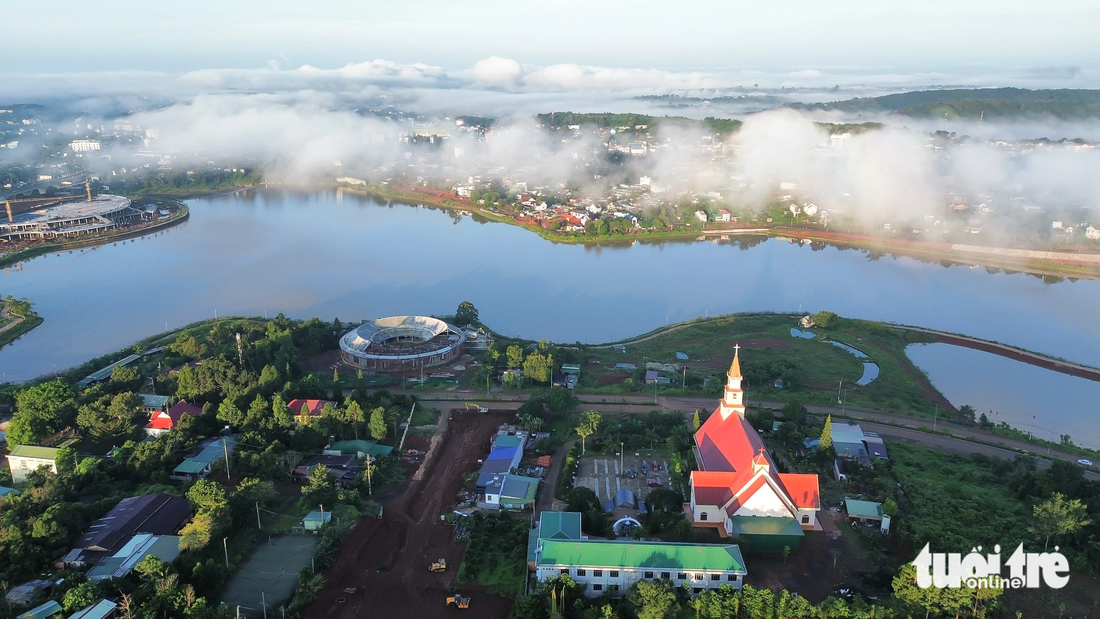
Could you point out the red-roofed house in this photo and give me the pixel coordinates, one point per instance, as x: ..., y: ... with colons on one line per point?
x: 162, y: 422
x: 313, y: 406
x: 738, y: 489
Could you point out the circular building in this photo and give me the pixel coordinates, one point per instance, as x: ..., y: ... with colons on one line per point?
x: 400, y: 343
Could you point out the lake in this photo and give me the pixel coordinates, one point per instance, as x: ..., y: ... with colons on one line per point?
x: 336, y: 254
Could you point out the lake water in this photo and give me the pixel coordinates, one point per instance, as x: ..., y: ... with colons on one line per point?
x: 1029, y: 398
x: 334, y: 254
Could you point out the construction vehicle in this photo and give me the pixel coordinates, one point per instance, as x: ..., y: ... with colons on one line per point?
x: 470, y: 406
x: 438, y: 566
x: 458, y: 601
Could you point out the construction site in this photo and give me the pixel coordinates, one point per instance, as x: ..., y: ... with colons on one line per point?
x: 391, y: 567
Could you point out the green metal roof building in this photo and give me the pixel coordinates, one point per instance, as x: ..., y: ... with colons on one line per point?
x: 613, y: 566
x: 863, y: 510
x: 767, y: 534
x: 360, y: 448
x: 49, y: 609
x: 26, y: 458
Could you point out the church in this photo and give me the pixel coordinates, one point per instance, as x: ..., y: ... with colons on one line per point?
x: 737, y: 488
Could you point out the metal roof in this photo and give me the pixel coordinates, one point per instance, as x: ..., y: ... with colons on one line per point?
x: 863, y: 509
x: 157, y: 513
x: 756, y: 525
x: 560, y: 525
x: 34, y: 451
x: 99, y: 610
x: 657, y: 555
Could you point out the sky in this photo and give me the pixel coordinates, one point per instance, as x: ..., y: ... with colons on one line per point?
x: 701, y: 42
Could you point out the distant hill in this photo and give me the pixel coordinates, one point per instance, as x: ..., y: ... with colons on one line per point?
x: 562, y: 120
x: 973, y: 103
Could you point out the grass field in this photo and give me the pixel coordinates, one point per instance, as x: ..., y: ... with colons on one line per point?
x: 269, y: 573
x: 812, y: 369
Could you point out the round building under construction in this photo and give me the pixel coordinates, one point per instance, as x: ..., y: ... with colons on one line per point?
x: 402, y: 343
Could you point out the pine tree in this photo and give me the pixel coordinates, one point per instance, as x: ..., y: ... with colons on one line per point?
x: 826, y: 441
x: 378, y: 423
x: 695, y: 423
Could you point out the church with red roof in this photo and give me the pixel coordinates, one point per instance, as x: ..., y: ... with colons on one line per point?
x: 738, y: 490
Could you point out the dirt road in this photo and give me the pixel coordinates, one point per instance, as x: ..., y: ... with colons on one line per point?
x: 386, y: 560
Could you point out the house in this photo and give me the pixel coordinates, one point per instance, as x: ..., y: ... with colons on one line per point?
x: 316, y: 519
x: 45, y: 611
x: 26, y: 458
x: 24, y: 594
x: 163, y: 421
x: 701, y: 216
x: 724, y: 216
x: 157, y: 514
x: 360, y: 448
x: 1092, y: 234
x: 607, y: 566
x: 863, y: 511
x: 651, y: 377
x: 199, y: 465
x: 506, y: 454
x: 342, y: 469
x: 152, y: 403
x: 313, y: 407
x: 164, y: 547
x: 573, y: 369
x: 510, y: 492
x: 104, y: 609
x: 850, y: 441
x: 738, y: 490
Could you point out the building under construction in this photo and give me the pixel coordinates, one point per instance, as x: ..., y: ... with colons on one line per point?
x: 68, y: 219
x: 402, y: 343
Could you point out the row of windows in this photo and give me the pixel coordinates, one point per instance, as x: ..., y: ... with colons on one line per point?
x: 650, y: 575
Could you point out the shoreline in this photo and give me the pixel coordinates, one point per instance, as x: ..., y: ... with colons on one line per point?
x: 28, y: 253
x: 1032, y: 262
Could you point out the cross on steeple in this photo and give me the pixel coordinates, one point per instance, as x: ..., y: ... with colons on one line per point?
x: 736, y: 348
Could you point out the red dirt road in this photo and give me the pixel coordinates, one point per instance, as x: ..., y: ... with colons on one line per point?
x: 410, y: 536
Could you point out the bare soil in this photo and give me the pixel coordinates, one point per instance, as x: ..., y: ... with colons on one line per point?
x: 410, y: 535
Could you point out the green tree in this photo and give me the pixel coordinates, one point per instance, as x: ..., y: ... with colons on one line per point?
x: 538, y: 367
x: 81, y: 596
x: 590, y: 422
x: 514, y: 356
x: 320, y: 489
x: 354, y: 414
x: 652, y: 600
x: 825, y: 320
x: 65, y: 459
x: 207, y: 494
x: 198, y: 533
x: 466, y: 314
x: 826, y: 441
x: 280, y: 412
x: 337, y: 390
x: 40, y: 411
x: 378, y: 423
x: 890, y: 507
x: 695, y: 423
x: 947, y: 601
x: 1057, y: 516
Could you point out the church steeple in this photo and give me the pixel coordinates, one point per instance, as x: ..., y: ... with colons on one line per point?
x: 733, y: 396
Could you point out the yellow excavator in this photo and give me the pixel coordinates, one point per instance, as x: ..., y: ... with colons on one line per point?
x: 477, y: 408
x: 438, y: 566
x: 458, y: 601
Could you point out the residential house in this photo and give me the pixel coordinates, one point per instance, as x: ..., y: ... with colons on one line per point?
x: 313, y: 407
x: 200, y: 464
x: 850, y: 441
x: 6, y: 492
x: 342, y: 469
x: 163, y: 421
x: 24, y: 594
x: 702, y: 216
x: 164, y: 547
x: 103, y: 609
x: 359, y: 447
x: 316, y: 519
x: 157, y: 514
x: 1092, y: 234
x: 26, y: 458
x: 738, y: 490
x: 45, y: 611
x: 868, y: 513
x: 510, y: 492
x: 152, y: 404
x: 724, y: 216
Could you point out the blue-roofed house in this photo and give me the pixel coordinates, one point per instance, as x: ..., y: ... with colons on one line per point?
x: 199, y: 465
x: 45, y: 611
x: 103, y: 609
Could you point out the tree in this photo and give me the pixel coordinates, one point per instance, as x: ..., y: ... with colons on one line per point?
x: 337, y: 390
x: 825, y: 319
x: 320, y: 489
x: 826, y: 441
x: 786, y: 553
x: 207, y: 494
x: 280, y: 412
x: 65, y: 460
x: 514, y: 356
x: 795, y: 414
x: 538, y: 367
x: 695, y: 423
x: 466, y: 314
x: 80, y: 596
x: 946, y: 601
x: 652, y: 600
x: 590, y: 422
x: 890, y: 508
x: 1057, y: 516
x: 40, y: 411
x: 966, y: 411
x: 354, y: 414
x: 378, y: 423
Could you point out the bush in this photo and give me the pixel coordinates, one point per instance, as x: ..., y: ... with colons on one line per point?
x: 568, y: 470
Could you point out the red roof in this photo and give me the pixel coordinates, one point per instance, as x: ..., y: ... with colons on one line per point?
x: 713, y: 488
x: 802, y: 488
x: 167, y: 421
x: 315, y: 406
x: 728, y: 444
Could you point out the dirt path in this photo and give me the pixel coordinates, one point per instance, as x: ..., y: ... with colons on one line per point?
x: 4, y: 313
x: 386, y: 560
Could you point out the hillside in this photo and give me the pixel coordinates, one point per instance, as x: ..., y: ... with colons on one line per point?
x: 973, y: 103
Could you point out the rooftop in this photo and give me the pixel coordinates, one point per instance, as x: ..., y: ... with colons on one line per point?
x: 863, y: 509
x: 659, y: 555
x: 34, y: 451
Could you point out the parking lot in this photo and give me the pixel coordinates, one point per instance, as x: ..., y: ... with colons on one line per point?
x: 605, y: 476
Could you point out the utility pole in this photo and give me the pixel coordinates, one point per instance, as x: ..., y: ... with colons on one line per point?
x: 258, y: 525
x: 622, y: 453
x: 225, y: 449
x: 1051, y: 440
x: 225, y: 547
x: 263, y: 600
x: 936, y: 419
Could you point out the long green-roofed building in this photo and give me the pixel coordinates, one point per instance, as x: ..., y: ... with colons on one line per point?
x: 613, y: 566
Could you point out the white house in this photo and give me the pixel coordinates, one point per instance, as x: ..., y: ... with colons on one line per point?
x: 26, y: 458
x: 701, y: 216
x: 810, y: 209
x: 724, y: 216
x: 1092, y: 234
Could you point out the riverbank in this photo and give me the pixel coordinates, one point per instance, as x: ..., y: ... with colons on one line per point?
x: 15, y: 323
x: 8, y: 259
x: 1075, y: 265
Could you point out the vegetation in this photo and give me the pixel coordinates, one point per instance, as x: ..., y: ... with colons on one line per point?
x: 973, y: 103
x: 495, y: 556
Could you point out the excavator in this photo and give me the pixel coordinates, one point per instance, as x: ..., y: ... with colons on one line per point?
x: 458, y: 601
x: 438, y: 566
x: 477, y: 408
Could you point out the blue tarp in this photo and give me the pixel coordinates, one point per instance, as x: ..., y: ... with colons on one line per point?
x: 503, y: 453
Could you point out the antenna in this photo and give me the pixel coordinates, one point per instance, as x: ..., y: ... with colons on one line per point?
x: 945, y: 121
